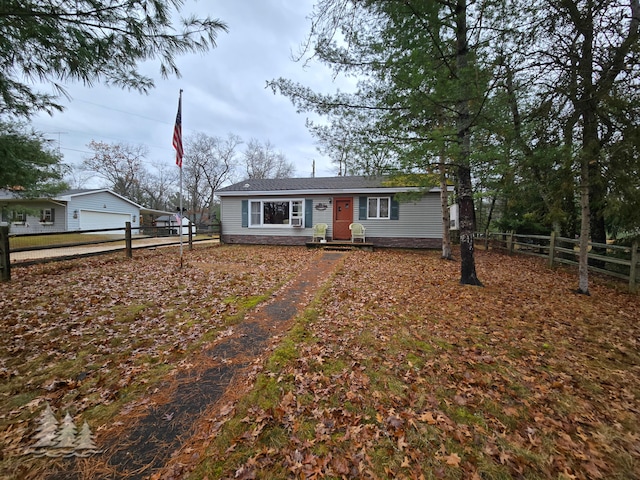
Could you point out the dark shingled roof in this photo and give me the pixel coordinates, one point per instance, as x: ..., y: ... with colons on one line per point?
x: 298, y: 184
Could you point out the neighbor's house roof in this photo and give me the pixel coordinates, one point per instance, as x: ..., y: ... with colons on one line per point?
x: 315, y: 185
x: 67, y: 195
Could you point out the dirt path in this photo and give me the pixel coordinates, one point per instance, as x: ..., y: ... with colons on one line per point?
x: 145, y: 447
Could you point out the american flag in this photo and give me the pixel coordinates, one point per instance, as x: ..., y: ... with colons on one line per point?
x: 177, y: 134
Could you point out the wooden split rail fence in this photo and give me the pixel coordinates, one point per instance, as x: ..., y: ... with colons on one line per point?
x: 613, y: 260
x: 26, y: 249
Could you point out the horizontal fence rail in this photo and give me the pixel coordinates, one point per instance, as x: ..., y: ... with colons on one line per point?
x: 613, y: 260
x: 29, y: 248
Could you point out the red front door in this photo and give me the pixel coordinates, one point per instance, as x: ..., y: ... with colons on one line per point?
x: 342, y: 217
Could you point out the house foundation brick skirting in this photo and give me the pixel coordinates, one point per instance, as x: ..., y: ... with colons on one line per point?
x: 265, y: 239
x: 431, y: 243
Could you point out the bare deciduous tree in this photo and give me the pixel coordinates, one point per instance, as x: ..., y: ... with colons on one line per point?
x: 262, y: 161
x: 209, y: 162
x: 119, y: 165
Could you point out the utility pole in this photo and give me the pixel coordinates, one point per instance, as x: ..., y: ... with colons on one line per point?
x: 59, y: 134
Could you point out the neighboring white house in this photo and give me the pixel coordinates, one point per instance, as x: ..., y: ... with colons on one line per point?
x: 283, y: 211
x: 73, y: 210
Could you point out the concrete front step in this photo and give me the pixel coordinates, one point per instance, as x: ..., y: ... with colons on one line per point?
x: 341, y: 246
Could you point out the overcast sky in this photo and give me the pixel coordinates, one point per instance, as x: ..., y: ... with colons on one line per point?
x: 224, y: 92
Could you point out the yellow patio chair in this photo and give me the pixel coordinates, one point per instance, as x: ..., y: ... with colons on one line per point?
x: 319, y: 231
x: 357, y: 231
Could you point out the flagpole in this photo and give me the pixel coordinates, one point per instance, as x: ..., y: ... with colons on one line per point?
x: 177, y: 144
x: 181, y: 211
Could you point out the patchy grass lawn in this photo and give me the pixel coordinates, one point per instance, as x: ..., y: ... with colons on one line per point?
x: 59, y: 239
x: 397, y: 371
x: 394, y: 371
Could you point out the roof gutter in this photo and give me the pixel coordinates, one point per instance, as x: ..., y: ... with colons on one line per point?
x: 324, y: 191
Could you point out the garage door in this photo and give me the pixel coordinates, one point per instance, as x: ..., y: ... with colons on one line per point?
x: 96, y: 220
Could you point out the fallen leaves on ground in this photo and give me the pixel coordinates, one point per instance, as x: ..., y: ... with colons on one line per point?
x: 395, y: 371
x: 400, y: 372
x: 91, y: 336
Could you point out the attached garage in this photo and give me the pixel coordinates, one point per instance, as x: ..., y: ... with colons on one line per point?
x: 90, y: 220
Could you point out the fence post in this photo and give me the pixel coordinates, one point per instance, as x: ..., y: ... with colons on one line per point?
x: 127, y: 240
x: 634, y: 264
x: 5, y: 259
x: 510, y: 242
x: 190, y: 236
x: 552, y: 248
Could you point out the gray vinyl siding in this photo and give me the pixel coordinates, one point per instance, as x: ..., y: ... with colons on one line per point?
x: 417, y: 219
x: 323, y: 216
x: 99, y: 202
x: 231, y: 215
x: 33, y: 224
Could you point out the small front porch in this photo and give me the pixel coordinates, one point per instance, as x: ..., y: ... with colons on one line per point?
x: 341, y: 245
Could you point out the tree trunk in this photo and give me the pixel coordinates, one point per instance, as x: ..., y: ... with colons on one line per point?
x: 465, y: 190
x: 491, y: 208
x: 597, y: 205
x: 586, y: 105
x: 446, y: 218
x: 583, y: 264
x: 467, y: 228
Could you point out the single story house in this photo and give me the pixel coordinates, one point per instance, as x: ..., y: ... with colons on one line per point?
x: 283, y: 211
x: 73, y: 210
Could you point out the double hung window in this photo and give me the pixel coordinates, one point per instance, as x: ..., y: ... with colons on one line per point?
x: 378, y: 207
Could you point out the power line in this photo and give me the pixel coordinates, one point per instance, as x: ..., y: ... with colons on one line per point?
x: 122, y: 111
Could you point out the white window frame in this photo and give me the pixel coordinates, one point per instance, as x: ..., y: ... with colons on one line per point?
x: 377, y: 212
x: 296, y: 210
x: 19, y: 218
x: 46, y: 216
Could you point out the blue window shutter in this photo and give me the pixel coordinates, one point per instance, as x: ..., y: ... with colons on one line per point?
x: 395, y: 209
x: 308, y: 213
x: 245, y: 213
x: 362, y: 208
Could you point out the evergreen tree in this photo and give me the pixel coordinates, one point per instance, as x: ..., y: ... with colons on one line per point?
x: 423, y: 86
x: 28, y: 166
x: 90, y: 41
